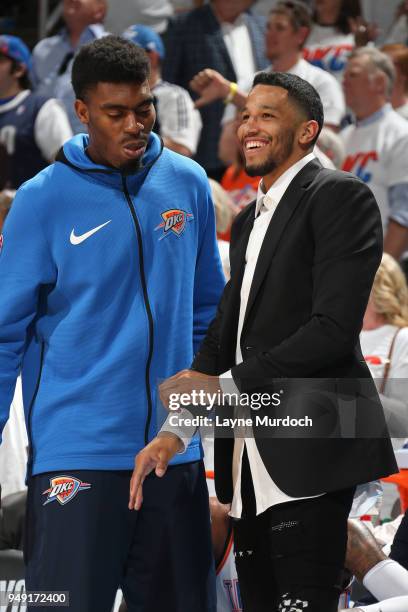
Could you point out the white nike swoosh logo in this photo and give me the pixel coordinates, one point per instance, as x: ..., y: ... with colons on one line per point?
x: 78, y: 239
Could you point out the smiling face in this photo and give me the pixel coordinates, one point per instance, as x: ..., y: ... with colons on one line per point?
x: 119, y: 117
x: 268, y: 130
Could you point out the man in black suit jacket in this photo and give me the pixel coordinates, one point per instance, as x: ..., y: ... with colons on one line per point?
x: 303, y: 259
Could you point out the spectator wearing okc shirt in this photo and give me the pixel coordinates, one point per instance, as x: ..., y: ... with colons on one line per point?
x: 377, y: 145
x: 331, y: 39
x: 32, y: 127
x: 177, y: 121
x: 53, y: 56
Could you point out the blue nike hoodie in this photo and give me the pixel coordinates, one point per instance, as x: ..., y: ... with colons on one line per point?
x: 108, y: 284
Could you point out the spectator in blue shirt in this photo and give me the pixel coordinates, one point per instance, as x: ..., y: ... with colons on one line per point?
x: 52, y: 57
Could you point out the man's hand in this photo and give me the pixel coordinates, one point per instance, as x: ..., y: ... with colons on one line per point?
x: 363, y: 31
x: 395, y: 239
x: 155, y: 456
x: 189, y: 382
x: 211, y: 85
x: 363, y: 552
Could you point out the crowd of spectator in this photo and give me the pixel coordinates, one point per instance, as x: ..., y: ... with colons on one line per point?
x: 203, y: 57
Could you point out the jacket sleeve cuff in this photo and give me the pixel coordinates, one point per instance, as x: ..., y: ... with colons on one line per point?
x: 227, y: 383
x: 176, y: 424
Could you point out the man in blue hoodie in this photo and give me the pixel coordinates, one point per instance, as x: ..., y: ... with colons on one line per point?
x: 110, y: 275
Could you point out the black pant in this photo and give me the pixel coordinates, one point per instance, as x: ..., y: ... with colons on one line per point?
x: 292, y: 554
x: 161, y: 556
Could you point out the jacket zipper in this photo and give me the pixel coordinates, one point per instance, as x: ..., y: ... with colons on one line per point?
x: 148, y: 310
x: 30, y: 460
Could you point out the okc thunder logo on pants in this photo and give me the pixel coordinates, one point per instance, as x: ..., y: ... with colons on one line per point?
x: 64, y: 488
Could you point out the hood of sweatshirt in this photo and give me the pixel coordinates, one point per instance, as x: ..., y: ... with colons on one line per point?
x: 73, y: 154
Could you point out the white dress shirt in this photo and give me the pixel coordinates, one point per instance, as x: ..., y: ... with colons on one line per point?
x: 238, y: 42
x: 267, y: 493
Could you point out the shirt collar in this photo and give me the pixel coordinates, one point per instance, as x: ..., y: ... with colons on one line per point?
x: 375, y: 116
x: 298, y: 67
x: 273, y: 196
x: 95, y: 30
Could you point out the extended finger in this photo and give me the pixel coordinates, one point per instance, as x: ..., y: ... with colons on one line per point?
x: 136, y: 483
x: 161, y: 467
x: 144, y: 465
x: 139, y: 495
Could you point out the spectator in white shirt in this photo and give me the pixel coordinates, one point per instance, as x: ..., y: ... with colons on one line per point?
x: 338, y: 27
x: 377, y: 145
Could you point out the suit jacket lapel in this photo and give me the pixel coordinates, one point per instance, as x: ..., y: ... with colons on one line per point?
x: 281, y: 217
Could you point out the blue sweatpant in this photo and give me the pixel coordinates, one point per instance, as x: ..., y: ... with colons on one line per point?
x: 81, y: 538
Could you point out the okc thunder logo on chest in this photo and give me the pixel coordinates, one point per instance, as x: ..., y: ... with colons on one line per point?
x: 64, y: 488
x: 174, y: 222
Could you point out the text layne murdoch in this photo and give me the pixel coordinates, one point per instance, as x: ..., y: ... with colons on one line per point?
x: 181, y: 420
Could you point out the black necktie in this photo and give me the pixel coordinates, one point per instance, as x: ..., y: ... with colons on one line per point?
x: 64, y: 64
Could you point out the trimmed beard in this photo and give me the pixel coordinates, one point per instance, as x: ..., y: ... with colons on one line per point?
x: 276, y: 159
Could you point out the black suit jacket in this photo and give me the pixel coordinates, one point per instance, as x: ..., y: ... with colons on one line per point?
x: 301, y: 334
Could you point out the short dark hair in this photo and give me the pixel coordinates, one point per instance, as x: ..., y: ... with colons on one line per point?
x: 109, y: 59
x: 300, y: 92
x: 349, y: 9
x: 297, y: 12
x: 23, y: 81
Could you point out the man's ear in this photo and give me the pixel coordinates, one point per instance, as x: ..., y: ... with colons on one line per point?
x: 100, y: 11
x: 381, y: 82
x: 154, y: 58
x: 302, y: 35
x: 308, y: 131
x: 82, y: 112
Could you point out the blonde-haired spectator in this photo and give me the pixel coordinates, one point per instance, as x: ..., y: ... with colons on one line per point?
x: 384, y: 342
